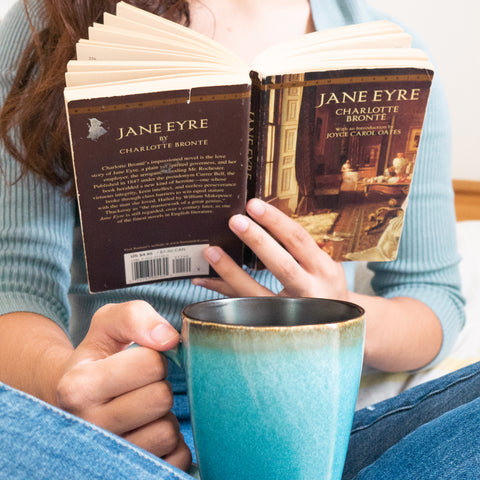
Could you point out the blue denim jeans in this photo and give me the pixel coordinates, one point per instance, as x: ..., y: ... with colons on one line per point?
x: 428, y: 432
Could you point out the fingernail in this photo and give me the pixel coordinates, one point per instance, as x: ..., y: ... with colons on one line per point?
x: 199, y: 282
x: 256, y: 208
x: 239, y: 223
x: 163, y: 333
x: 213, y: 254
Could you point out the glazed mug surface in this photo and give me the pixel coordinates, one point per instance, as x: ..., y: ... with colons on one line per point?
x: 272, y: 385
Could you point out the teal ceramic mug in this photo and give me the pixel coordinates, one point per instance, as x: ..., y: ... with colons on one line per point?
x: 272, y: 384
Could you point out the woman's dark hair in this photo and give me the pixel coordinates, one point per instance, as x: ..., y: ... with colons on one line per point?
x: 42, y: 125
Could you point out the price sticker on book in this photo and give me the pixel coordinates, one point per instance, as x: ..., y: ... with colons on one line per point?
x: 163, y: 263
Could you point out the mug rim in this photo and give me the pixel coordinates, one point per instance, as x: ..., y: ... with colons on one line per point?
x: 191, y: 319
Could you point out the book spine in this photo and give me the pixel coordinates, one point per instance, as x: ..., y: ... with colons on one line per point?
x: 256, y: 135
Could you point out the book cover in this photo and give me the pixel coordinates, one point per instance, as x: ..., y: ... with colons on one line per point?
x: 336, y: 151
x: 158, y: 175
x: 171, y: 133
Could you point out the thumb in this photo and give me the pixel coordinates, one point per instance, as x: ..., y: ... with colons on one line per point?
x: 116, y: 326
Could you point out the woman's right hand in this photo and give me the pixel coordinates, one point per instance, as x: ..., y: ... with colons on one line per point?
x: 124, y: 389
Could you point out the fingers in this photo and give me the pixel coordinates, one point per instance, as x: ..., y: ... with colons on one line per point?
x: 160, y: 437
x: 236, y: 282
x: 134, y: 409
x: 181, y: 457
x: 120, y: 393
x: 285, y: 230
x: 95, y: 382
x: 216, y: 284
x: 274, y: 256
x: 297, y: 262
x: 285, y: 248
x: 126, y: 371
x: 115, y: 326
x: 123, y: 389
x: 126, y: 394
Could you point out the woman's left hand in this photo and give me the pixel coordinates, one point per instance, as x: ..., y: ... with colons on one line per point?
x: 286, y: 249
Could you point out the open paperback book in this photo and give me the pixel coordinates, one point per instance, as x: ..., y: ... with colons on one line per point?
x: 171, y: 133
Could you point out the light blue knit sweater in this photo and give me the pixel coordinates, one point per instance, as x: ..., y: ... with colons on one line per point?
x: 42, y: 268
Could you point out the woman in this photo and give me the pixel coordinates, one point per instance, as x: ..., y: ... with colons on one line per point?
x: 413, y: 320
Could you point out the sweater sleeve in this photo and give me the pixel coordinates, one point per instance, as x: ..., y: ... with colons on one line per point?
x: 36, y: 219
x: 427, y: 266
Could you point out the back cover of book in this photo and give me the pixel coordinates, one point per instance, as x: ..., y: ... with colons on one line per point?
x: 185, y: 148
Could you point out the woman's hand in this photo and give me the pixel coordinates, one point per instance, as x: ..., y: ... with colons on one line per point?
x: 402, y: 332
x: 124, y: 389
x: 286, y: 249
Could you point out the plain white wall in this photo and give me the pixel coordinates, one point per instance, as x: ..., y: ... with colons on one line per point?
x: 4, y: 6
x: 453, y: 36
x: 451, y: 31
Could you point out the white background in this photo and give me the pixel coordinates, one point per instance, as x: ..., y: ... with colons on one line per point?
x: 452, y: 33
x: 4, y: 6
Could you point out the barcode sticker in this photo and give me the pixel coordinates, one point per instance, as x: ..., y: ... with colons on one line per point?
x: 159, y: 264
